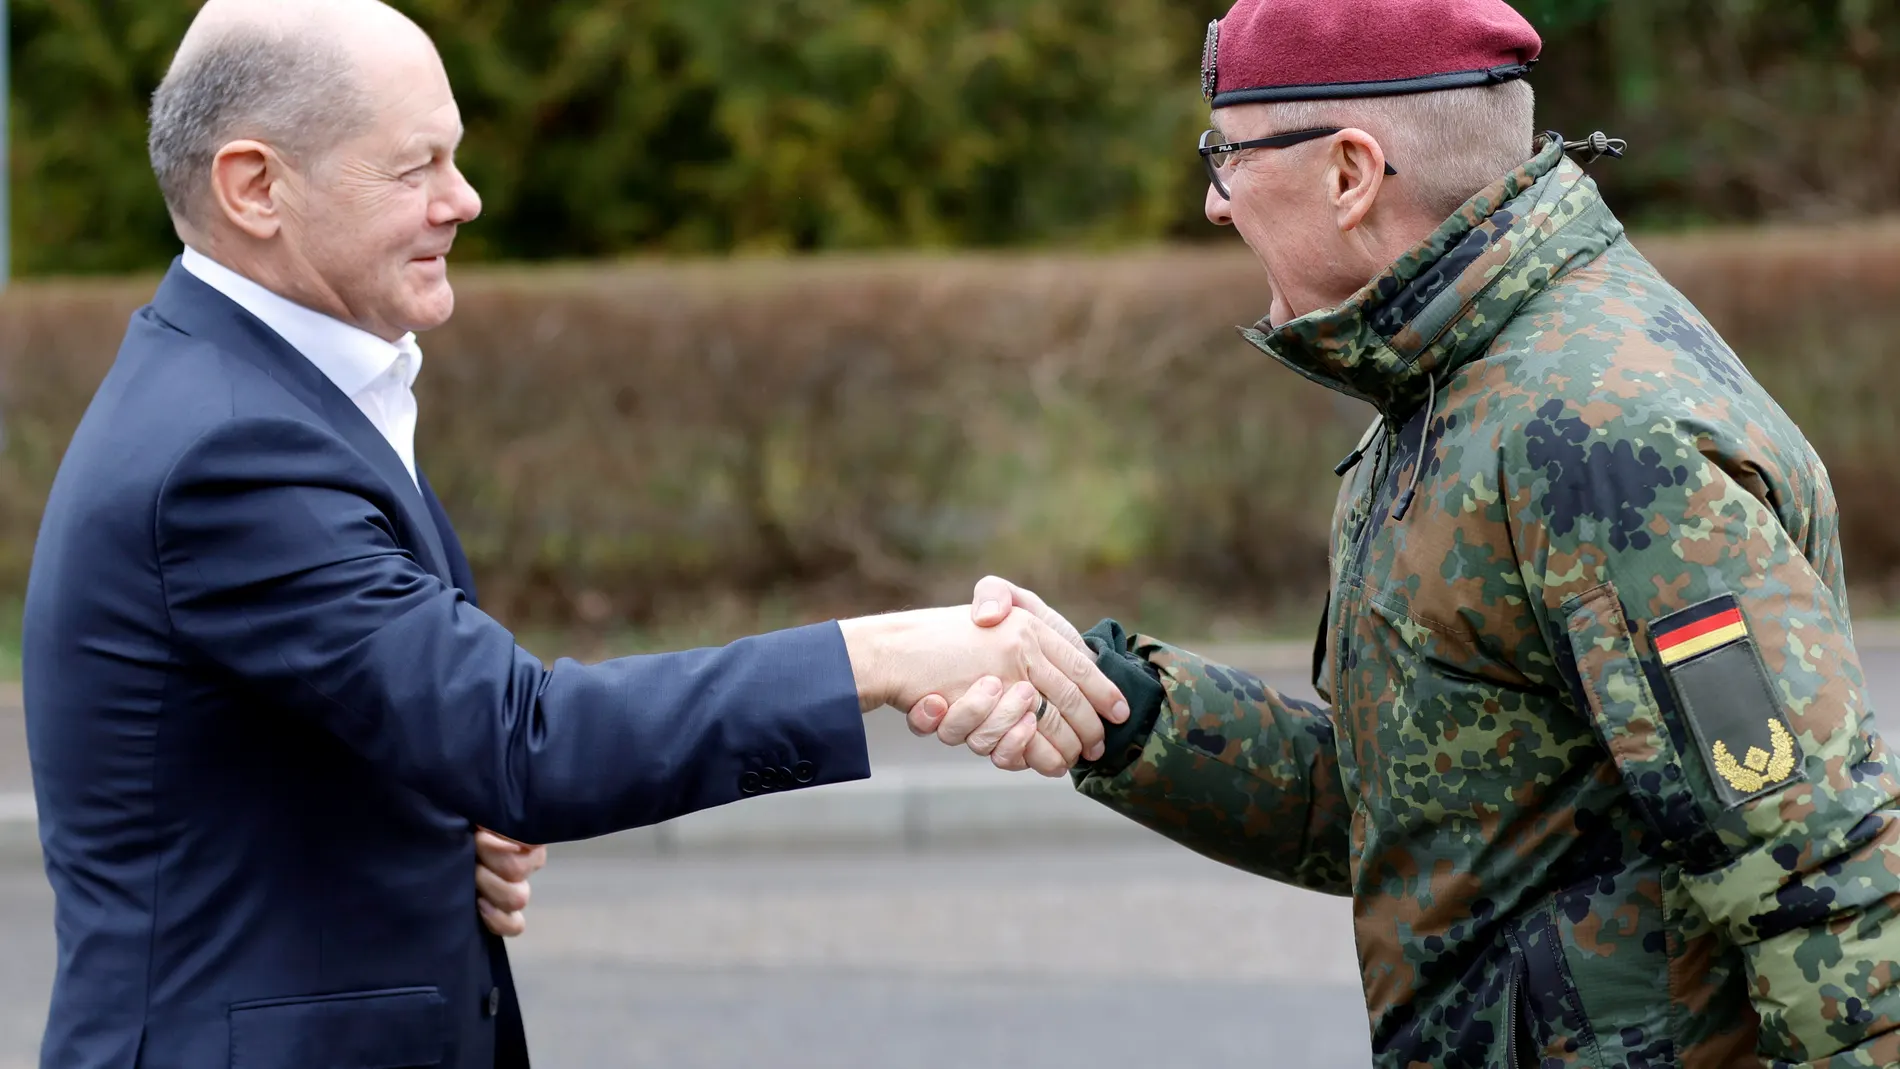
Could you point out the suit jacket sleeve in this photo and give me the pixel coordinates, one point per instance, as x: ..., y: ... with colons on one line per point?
x: 279, y: 568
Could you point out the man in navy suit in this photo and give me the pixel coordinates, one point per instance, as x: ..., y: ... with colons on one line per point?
x: 266, y: 718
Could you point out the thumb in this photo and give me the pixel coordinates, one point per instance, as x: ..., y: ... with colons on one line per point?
x: 994, y: 599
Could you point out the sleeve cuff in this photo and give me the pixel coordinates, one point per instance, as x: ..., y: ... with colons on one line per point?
x: 1140, y: 683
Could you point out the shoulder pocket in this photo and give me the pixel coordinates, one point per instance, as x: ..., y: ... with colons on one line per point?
x: 1642, y: 735
x: 398, y: 1028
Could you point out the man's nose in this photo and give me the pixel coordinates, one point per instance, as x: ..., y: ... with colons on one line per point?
x: 459, y: 203
x: 1220, y: 211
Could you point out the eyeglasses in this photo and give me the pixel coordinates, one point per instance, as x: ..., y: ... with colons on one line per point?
x: 1218, y: 157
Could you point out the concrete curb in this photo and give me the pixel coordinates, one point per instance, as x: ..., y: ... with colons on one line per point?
x: 19, y: 830
x: 898, y: 808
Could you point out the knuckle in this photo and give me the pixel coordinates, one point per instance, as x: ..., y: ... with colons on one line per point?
x: 1021, y: 643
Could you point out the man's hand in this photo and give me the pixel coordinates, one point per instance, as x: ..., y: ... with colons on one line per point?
x: 502, y: 868
x: 996, y: 596
x: 902, y: 658
x: 995, y: 722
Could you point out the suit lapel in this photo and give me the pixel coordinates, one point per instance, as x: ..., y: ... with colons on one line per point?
x: 184, y: 301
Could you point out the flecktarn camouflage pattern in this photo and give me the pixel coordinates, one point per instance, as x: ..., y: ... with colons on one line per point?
x: 1597, y: 765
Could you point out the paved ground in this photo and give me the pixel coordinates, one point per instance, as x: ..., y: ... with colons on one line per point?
x: 1138, y: 956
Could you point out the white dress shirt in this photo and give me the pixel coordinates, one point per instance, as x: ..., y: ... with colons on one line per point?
x: 376, y: 374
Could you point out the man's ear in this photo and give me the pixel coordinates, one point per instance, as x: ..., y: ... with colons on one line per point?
x: 247, y: 187
x: 1355, y: 175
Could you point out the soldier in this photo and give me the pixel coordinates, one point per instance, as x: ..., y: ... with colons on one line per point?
x: 1597, y: 765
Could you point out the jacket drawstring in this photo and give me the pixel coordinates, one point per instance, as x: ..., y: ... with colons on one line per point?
x: 1373, y: 433
x: 1424, y: 438
x: 1595, y: 147
x: 1376, y: 433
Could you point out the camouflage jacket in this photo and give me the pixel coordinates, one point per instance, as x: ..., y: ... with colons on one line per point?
x: 1597, y: 766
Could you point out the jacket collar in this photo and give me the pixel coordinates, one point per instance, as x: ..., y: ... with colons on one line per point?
x: 1441, y: 305
x: 350, y: 356
x: 199, y: 311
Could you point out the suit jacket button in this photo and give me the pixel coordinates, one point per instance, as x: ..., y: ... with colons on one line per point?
x: 493, y: 1005
x: 786, y: 780
x: 750, y: 783
x: 768, y: 779
x: 805, y: 772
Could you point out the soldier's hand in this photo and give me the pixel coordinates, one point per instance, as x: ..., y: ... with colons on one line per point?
x: 996, y: 596
x: 1001, y: 723
x: 1004, y: 722
x: 903, y: 658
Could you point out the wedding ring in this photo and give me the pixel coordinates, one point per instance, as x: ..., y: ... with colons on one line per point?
x: 1042, y: 710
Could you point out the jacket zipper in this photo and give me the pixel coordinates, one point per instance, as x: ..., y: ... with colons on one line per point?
x: 1511, y: 1053
x: 1364, y: 513
x: 1381, y: 471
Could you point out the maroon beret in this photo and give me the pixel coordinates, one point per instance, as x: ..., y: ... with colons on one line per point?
x: 1274, y: 50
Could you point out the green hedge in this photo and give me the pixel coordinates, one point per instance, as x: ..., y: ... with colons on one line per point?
x: 844, y: 434
x: 607, y: 127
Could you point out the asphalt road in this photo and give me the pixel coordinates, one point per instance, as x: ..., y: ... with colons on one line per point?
x: 1137, y: 956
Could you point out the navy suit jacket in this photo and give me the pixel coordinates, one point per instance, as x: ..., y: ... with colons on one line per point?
x: 265, y: 714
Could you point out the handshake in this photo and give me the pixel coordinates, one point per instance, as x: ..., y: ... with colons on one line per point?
x: 1008, y: 677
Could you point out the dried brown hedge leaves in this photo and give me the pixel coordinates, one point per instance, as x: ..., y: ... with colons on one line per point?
x: 840, y: 434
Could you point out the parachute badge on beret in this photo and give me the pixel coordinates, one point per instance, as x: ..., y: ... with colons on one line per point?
x: 1210, y: 60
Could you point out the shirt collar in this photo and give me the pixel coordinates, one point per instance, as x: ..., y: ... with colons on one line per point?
x: 348, y: 356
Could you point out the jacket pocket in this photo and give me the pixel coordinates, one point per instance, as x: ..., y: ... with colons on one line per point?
x: 1643, y: 736
x: 1545, y: 1015
x: 399, y: 1028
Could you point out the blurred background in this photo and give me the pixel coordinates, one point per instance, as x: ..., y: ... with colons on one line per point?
x: 785, y: 309
x: 788, y: 308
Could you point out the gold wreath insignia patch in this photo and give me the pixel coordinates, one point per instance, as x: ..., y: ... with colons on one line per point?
x: 1707, y: 652
x: 1758, y: 769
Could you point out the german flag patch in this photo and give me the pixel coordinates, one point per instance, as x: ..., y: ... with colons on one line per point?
x: 1708, y: 626
x: 1724, y: 693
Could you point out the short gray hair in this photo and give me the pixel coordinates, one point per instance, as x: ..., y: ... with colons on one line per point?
x: 298, y: 95
x: 1447, y: 146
